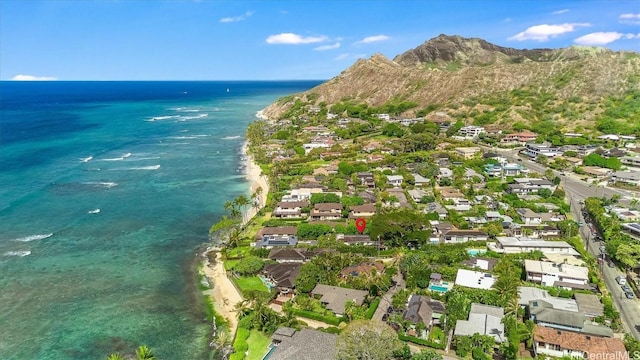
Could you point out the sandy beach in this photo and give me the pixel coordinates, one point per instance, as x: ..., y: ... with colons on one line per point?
x: 224, y: 294
x: 257, y: 180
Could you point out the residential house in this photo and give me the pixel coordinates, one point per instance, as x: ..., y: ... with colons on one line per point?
x: 318, y: 144
x: 499, y: 158
x: 553, y: 274
x: 543, y: 314
x: 423, y: 309
x: 519, y: 138
x: 289, y: 255
x: 269, y: 237
x: 362, y: 211
x: 304, y: 344
x: 290, y: 209
x: 474, y: 279
x: 518, y: 245
x: 334, y: 298
x: 529, y: 216
x: 366, y: 179
x: 533, y: 231
x: 326, y: 212
x: 589, y: 304
x: 535, y: 150
x: 304, y: 191
x: 417, y: 194
x: 470, y: 132
x: 483, y: 320
x: 364, y: 240
x: 395, y: 180
x: 526, y: 294
x: 282, y: 275
x: 420, y: 180
x: 529, y: 185
x: 467, y: 152
x: 596, y: 171
x: 481, y: 263
x: 438, y: 209
x: 444, y: 173
x: 626, y: 177
x: 455, y: 236
x: 450, y: 194
x: 492, y: 216
x: 633, y: 161
x: 558, y: 343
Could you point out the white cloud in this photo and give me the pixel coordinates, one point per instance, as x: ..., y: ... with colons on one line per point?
x: 558, y: 12
x: 33, y: 78
x: 346, y: 56
x: 603, y: 38
x: 327, y: 47
x: 545, y: 32
x: 633, y: 19
x: 371, y: 39
x: 237, y: 18
x: 294, y: 39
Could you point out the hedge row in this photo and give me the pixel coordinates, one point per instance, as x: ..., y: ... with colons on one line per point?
x: 372, y: 308
x: 240, y: 344
x: 419, y: 341
x: 315, y: 316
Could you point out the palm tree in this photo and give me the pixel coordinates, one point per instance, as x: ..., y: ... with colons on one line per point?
x: 228, y: 206
x: 115, y: 357
x: 144, y: 353
x: 241, y: 201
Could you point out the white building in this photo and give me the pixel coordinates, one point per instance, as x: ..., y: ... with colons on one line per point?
x: 534, y: 150
x: 517, y: 245
x: 471, y: 131
x: 552, y: 274
x: 474, y: 279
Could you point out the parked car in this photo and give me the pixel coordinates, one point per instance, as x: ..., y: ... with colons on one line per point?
x: 603, y: 249
x: 611, y: 264
x: 621, y: 280
x: 629, y: 295
x: 626, y: 288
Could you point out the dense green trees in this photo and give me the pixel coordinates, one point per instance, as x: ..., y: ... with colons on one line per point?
x: 248, y: 265
x: 371, y: 340
x: 398, y: 227
x: 594, y: 159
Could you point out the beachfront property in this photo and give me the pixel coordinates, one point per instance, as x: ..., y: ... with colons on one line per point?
x: 326, y: 212
x: 554, y: 274
x: 559, y: 343
x: 334, y: 298
x: 282, y: 276
x: 484, y: 320
x: 269, y: 237
x: 518, y: 245
x: 290, y: 255
x: 290, y: 209
x: 474, y: 279
x: 305, y: 344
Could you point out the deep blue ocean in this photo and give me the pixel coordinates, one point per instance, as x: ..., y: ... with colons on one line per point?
x: 107, y: 191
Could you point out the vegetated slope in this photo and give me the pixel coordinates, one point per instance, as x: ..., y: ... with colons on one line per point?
x: 482, y: 83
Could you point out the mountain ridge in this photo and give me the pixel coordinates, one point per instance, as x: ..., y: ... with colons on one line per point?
x: 462, y: 76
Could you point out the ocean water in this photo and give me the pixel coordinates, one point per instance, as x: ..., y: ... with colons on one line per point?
x: 107, y: 190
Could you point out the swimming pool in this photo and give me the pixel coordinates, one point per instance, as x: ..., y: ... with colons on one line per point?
x: 475, y: 252
x: 267, y: 282
x: 439, y: 288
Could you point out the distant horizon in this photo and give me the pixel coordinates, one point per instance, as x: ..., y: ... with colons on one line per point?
x: 278, y: 40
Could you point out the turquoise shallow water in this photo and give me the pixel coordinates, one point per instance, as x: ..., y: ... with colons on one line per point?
x: 107, y: 190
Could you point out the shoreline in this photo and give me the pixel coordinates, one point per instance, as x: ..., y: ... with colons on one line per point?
x: 223, y: 292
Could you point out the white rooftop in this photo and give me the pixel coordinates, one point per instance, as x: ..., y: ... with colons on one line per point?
x: 474, y: 279
x: 565, y: 270
x: 527, y: 293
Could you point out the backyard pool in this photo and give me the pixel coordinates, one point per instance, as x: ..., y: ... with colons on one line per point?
x: 440, y: 288
x: 475, y: 252
x: 266, y: 281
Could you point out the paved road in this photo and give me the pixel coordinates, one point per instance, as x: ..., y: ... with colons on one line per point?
x: 385, y: 301
x: 576, y: 191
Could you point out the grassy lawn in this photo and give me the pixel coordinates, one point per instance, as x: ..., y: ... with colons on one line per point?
x: 258, y: 343
x: 229, y: 264
x: 248, y: 283
x: 240, y: 251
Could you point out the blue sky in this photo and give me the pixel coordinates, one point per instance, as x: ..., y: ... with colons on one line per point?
x: 277, y: 40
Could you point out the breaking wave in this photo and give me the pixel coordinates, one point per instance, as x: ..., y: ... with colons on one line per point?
x: 33, y: 237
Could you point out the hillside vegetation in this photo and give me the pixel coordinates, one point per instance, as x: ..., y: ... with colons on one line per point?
x: 581, y: 89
